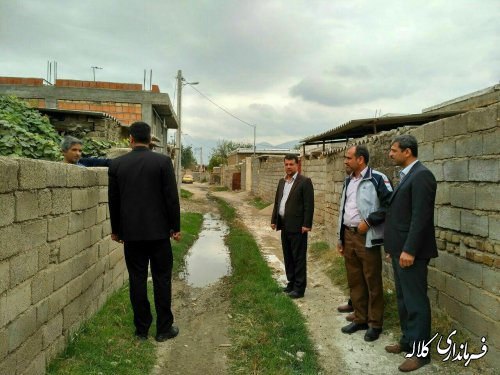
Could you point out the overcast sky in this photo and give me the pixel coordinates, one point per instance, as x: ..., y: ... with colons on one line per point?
x: 293, y: 68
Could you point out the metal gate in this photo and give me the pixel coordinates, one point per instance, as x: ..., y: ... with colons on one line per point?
x: 236, y: 185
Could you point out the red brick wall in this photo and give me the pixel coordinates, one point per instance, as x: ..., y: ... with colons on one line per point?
x: 35, y: 102
x: 21, y: 81
x: 126, y: 113
x: 99, y: 85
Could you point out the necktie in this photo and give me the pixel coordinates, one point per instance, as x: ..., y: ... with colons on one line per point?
x: 401, y: 176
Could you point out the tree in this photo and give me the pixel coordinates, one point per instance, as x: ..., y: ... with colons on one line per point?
x: 188, y: 161
x: 222, y: 151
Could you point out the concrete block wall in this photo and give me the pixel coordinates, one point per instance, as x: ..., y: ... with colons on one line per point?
x: 58, y: 264
x: 227, y: 175
x: 243, y: 168
x: 266, y: 172
x: 463, y: 152
x: 316, y: 170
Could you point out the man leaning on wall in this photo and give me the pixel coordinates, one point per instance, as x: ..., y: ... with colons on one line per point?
x: 71, y: 148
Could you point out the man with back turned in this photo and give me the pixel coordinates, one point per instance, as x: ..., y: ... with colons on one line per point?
x: 145, y: 213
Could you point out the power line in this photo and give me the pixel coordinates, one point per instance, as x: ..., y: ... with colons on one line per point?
x: 220, y: 107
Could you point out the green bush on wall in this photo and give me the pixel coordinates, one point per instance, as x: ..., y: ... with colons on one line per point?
x: 25, y: 132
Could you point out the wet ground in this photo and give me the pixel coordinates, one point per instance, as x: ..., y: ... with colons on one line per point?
x: 200, y: 301
x: 208, y: 259
x: 201, y: 306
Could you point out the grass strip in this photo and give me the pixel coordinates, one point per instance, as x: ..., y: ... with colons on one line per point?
x: 258, y: 203
x: 186, y: 194
x: 267, y: 328
x: 219, y: 188
x: 105, y: 345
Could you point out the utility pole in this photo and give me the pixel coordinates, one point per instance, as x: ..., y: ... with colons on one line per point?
x: 201, y: 154
x: 254, y: 136
x: 178, y: 134
x: 93, y: 70
x: 180, y: 83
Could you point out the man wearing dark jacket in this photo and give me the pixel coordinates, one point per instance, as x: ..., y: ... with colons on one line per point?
x: 145, y: 212
x: 293, y: 215
x: 410, y: 242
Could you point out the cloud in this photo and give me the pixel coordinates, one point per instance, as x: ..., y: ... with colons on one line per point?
x: 292, y: 68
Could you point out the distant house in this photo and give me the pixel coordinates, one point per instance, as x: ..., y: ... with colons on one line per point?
x: 108, y: 107
x: 237, y: 174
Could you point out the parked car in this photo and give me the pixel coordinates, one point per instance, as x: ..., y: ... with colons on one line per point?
x: 187, y: 179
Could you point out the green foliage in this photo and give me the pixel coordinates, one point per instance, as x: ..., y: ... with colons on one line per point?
x: 188, y: 161
x: 186, y: 194
x: 98, y: 147
x: 25, y: 132
x: 222, y: 151
x: 266, y: 323
x: 257, y: 202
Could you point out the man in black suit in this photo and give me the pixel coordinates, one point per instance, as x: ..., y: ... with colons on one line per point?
x: 145, y: 212
x: 293, y: 215
x: 410, y: 242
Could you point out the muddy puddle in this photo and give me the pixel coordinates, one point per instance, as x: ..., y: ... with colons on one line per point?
x: 208, y: 259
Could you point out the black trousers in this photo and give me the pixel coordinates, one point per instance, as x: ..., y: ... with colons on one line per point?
x: 138, y: 254
x: 294, y: 246
x: 413, y: 303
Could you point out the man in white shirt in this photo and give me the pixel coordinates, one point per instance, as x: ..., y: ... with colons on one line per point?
x: 293, y: 215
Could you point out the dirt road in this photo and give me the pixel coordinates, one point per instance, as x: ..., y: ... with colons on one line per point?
x: 202, y: 313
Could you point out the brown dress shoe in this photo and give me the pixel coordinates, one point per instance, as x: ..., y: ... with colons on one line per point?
x: 396, y: 348
x: 350, y: 317
x: 345, y: 308
x: 413, y: 363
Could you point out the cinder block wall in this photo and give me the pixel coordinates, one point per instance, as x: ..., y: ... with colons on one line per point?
x: 266, y: 172
x: 58, y: 264
x: 316, y: 170
x: 243, y: 174
x: 463, y: 152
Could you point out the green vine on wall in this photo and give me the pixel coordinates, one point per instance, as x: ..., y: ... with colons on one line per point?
x: 25, y: 132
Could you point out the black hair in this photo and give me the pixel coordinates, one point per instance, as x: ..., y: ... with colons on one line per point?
x: 407, y: 141
x: 362, y: 150
x: 292, y: 157
x: 141, y: 132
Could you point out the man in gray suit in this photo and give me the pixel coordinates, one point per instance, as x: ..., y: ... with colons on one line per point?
x: 293, y: 215
x: 410, y: 242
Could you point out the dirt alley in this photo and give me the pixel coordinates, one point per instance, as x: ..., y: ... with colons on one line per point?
x: 202, y: 314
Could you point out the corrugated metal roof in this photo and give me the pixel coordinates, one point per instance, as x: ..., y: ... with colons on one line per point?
x: 361, y: 127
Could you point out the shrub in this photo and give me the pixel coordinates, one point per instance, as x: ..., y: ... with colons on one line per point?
x: 25, y: 132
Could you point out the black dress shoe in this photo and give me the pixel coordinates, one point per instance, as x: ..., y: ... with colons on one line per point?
x: 141, y: 335
x: 294, y: 294
x: 170, y: 334
x: 372, y: 334
x: 345, y: 308
x: 287, y: 289
x: 354, y: 327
